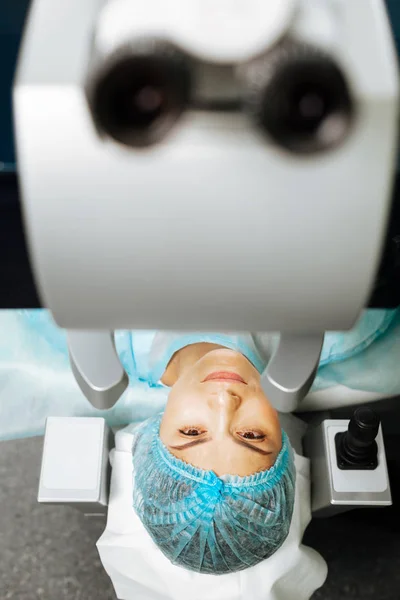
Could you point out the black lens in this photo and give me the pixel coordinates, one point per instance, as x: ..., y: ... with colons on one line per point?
x: 307, y: 107
x: 137, y: 98
x: 302, y: 99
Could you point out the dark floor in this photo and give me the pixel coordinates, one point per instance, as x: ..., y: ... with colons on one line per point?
x: 49, y: 553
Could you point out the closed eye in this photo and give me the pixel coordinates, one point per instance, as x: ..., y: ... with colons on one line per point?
x: 191, y: 431
x: 251, y: 435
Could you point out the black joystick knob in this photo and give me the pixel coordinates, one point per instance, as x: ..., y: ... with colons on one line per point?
x: 356, y: 448
x: 299, y: 97
x: 138, y: 93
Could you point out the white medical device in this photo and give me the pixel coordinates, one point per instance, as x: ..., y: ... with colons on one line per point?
x: 196, y: 164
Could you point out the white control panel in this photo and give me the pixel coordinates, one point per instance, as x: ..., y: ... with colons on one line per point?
x: 376, y: 480
x: 75, y: 461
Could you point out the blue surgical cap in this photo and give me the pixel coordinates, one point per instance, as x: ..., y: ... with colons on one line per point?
x: 206, y: 523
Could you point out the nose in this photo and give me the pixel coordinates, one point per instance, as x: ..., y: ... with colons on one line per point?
x: 225, y: 399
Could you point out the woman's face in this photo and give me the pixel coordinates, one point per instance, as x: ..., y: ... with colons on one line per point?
x: 218, y: 418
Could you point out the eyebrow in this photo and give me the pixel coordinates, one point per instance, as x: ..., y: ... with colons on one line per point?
x: 192, y: 443
x: 205, y: 440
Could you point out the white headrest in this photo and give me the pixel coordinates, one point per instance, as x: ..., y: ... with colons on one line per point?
x: 138, y: 569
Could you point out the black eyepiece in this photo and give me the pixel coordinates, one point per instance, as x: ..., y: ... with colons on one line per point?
x: 301, y: 99
x: 139, y: 94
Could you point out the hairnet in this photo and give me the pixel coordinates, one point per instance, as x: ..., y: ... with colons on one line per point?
x: 207, y: 523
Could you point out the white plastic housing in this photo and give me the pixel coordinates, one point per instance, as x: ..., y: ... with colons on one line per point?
x: 75, y: 463
x: 215, y: 227
x: 335, y: 490
x: 219, y: 31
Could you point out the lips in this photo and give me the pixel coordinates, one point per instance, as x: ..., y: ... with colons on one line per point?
x: 224, y: 376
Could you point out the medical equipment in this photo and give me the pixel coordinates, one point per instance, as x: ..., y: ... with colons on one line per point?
x: 103, y: 191
x: 337, y: 486
x: 296, y: 104
x: 36, y: 380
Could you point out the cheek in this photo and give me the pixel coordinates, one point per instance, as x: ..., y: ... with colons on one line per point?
x: 258, y: 403
x: 185, y: 401
x: 260, y: 409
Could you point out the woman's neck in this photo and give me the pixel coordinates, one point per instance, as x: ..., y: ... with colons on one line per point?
x: 184, y: 359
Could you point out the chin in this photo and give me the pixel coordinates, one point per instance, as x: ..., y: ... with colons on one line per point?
x: 230, y: 354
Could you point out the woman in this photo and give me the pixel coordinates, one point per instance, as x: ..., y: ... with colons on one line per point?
x: 214, y: 474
